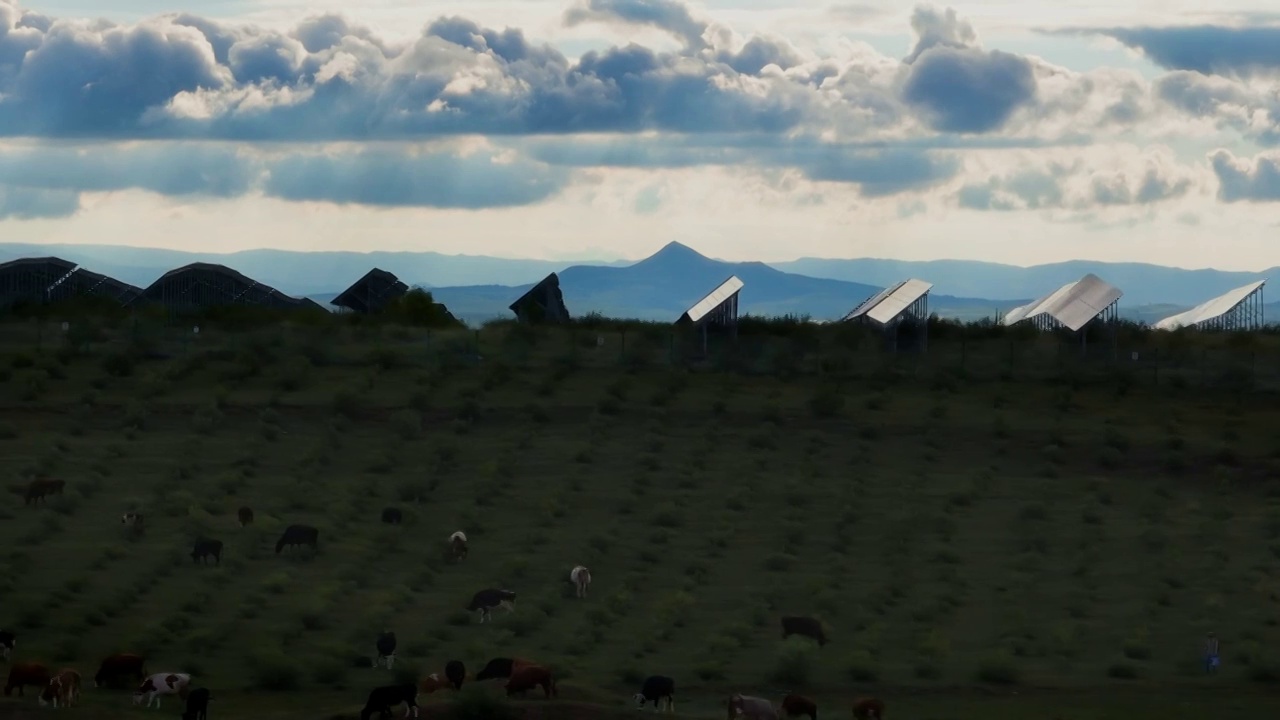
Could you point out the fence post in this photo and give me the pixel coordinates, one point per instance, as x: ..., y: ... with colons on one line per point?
x: 1155, y: 366
x: 622, y: 353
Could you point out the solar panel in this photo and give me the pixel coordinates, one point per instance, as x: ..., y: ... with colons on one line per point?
x: 887, y: 305
x: 1211, y: 309
x: 714, y: 299
x: 1073, y: 305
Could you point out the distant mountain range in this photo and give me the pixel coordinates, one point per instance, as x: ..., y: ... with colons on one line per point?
x: 664, y: 285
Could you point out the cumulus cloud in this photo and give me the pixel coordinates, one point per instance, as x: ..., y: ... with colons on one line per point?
x: 1207, y: 49
x: 1245, y: 179
x: 1077, y: 184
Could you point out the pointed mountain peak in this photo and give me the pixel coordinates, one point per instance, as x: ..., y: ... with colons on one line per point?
x: 675, y: 252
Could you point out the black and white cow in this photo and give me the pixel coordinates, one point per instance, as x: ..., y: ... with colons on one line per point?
x: 488, y: 599
x: 655, y: 689
x: 382, y: 699
x: 386, y: 645
x: 160, y: 684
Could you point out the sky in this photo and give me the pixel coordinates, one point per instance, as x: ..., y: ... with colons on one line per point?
x: 1019, y: 132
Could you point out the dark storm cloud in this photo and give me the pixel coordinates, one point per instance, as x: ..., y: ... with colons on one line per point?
x: 1207, y: 49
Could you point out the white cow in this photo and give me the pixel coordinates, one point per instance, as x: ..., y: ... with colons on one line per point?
x: 580, y: 576
x: 751, y: 708
x: 160, y: 684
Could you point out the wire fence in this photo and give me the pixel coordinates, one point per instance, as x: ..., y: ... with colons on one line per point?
x: 1160, y: 360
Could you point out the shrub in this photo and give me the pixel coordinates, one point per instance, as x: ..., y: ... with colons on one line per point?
x: 794, y: 662
x: 998, y: 671
x: 274, y: 672
x: 860, y: 668
x: 474, y: 702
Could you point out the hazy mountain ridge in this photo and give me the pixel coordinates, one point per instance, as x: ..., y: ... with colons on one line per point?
x: 662, y: 286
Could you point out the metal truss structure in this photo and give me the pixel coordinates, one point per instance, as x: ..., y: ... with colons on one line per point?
x: 199, y: 286
x: 544, y: 303
x: 50, y: 279
x: 1238, y: 309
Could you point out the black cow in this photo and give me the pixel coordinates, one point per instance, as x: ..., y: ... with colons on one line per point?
x: 7, y: 639
x: 197, y: 705
x: 496, y: 668
x: 382, y: 699
x: 120, y: 665
x: 386, y: 644
x: 486, y: 600
x: 804, y: 626
x: 298, y: 535
x: 456, y: 672
x: 205, y: 549
x: 656, y: 688
x: 391, y: 516
x: 245, y: 514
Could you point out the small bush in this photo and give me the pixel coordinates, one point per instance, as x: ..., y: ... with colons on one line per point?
x: 998, y: 671
x: 474, y: 702
x: 794, y: 662
x: 274, y: 672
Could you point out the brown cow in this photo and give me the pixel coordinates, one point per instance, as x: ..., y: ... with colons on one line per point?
x: 23, y: 674
x: 868, y: 709
x: 502, y: 668
x: 120, y: 665
x: 41, y: 487
x: 63, y: 689
x: 530, y: 677
x: 432, y: 683
x: 793, y: 705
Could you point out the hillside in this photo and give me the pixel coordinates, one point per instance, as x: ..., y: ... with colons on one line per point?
x: 964, y: 525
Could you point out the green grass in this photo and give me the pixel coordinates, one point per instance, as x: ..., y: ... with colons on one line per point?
x: 979, y: 545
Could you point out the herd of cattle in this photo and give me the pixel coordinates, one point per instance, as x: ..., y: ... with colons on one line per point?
x: 62, y: 688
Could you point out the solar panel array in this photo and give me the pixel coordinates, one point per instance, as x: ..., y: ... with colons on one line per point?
x: 1211, y: 310
x: 891, y: 303
x: 1072, y: 306
x: 713, y: 300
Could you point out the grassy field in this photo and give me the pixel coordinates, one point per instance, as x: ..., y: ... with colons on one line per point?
x: 980, y: 545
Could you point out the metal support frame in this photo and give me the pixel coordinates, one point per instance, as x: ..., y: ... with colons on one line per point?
x: 725, y: 315
x: 197, y: 289
x: 32, y: 280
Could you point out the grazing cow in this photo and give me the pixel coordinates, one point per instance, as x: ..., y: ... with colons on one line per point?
x: 160, y: 684
x: 205, y: 549
x: 530, y: 677
x: 23, y: 674
x: 386, y: 644
x: 805, y: 626
x: 458, y: 545
x: 7, y: 640
x: 432, y: 683
x: 502, y: 668
x: 456, y: 672
x: 245, y: 514
x: 391, y: 516
x: 751, y: 708
x: 655, y: 689
x: 121, y: 665
x: 794, y: 705
x: 580, y: 576
x: 868, y: 709
x: 295, y: 535
x: 488, y: 599
x: 40, y: 488
x: 63, y: 688
x: 382, y: 699
x: 134, y: 522
x: 197, y: 705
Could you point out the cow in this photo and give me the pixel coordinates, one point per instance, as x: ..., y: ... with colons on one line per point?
x: 134, y: 522
x: 458, y: 545
x: 7, y: 641
x: 655, y: 689
x: 795, y: 705
x: 488, y: 599
x: 27, y: 673
x: 386, y: 644
x: 205, y: 549
x: 295, y: 535
x: 580, y: 576
x: 382, y: 699
x: 118, y: 666
x: 391, y: 516
x: 751, y: 708
x: 63, y: 688
x: 197, y: 705
x: 245, y: 514
x: 40, y: 488
x: 804, y: 626
x: 869, y: 708
x: 160, y: 684
x: 529, y: 677
x: 502, y: 668
x: 456, y: 672
x: 432, y: 683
